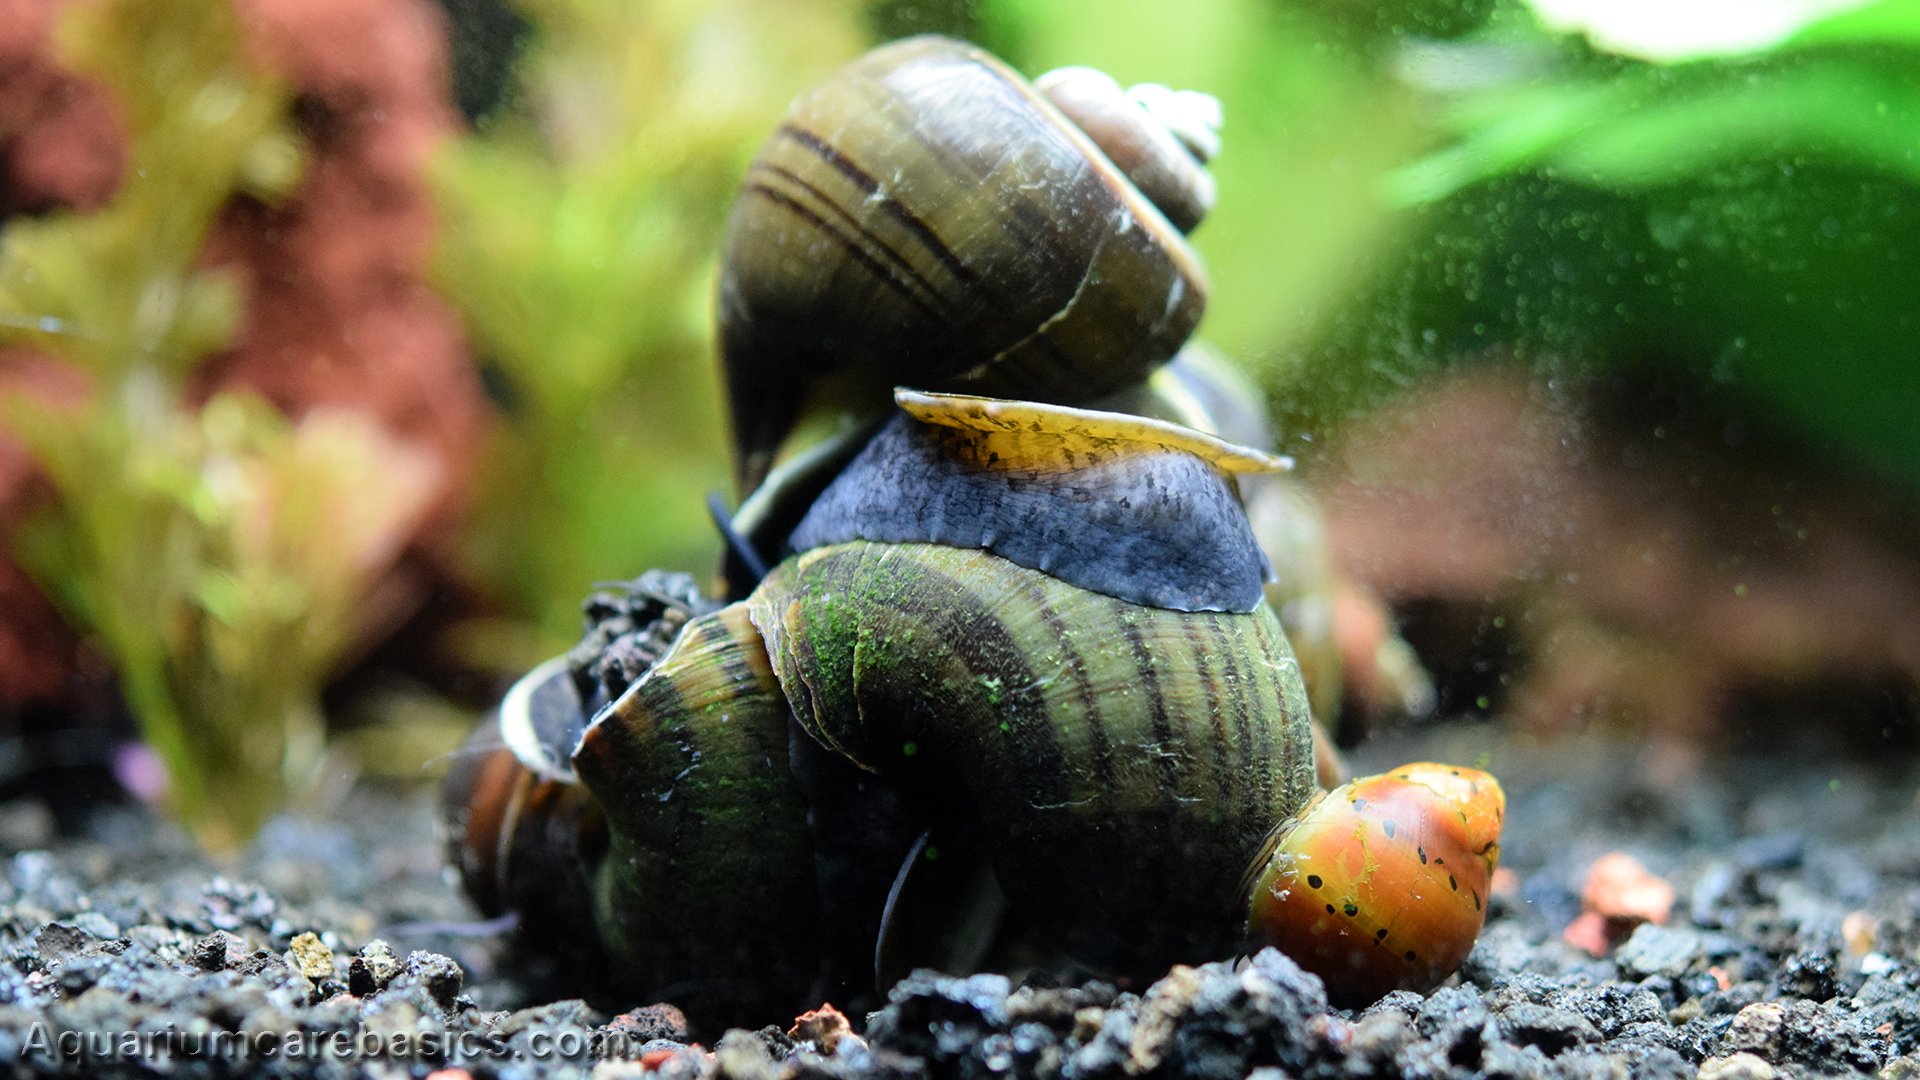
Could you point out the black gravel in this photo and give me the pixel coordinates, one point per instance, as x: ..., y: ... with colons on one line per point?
x: 337, y: 948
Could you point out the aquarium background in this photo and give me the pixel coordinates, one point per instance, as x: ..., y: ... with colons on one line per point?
x: 345, y: 347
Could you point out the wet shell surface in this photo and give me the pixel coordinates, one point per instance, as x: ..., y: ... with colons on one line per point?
x: 927, y: 218
x: 1382, y: 883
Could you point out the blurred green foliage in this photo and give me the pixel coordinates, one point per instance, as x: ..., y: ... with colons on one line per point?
x: 581, y: 229
x: 206, y: 550
x: 1408, y: 185
x: 1693, y: 190
x: 117, y: 290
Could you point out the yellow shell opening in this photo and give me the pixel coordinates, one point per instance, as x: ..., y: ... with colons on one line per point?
x: 1029, y: 429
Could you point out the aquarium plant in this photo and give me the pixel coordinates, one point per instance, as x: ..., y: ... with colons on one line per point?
x: 216, y: 553
x: 582, y: 223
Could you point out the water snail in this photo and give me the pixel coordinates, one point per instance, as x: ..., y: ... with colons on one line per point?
x: 997, y: 669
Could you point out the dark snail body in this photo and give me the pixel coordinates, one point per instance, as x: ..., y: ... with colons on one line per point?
x: 1149, y: 524
x: 1201, y: 389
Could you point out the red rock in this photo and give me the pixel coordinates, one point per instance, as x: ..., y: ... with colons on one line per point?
x: 61, y: 139
x: 824, y: 1027
x: 1619, y: 895
x: 1588, y: 932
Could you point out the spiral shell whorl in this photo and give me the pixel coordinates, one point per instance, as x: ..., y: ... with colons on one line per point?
x: 926, y: 218
x: 1161, y: 139
x: 1148, y: 746
x: 708, y: 880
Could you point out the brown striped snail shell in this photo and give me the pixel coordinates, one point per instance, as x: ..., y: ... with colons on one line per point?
x: 1024, y: 711
x: 927, y: 218
x: 1116, y: 761
x: 1034, y: 639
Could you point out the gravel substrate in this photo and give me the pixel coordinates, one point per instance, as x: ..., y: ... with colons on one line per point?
x: 337, y: 949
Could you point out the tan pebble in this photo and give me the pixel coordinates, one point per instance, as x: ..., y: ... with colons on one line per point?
x: 1860, y: 931
x: 1165, y: 1003
x: 312, y: 956
x: 1756, y: 1026
x: 1741, y: 1066
x: 1087, y: 1022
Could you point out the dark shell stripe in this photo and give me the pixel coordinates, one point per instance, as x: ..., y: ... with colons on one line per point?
x: 1251, y: 756
x: 729, y: 636
x: 767, y: 176
x: 1220, y: 692
x: 1168, y: 750
x: 1075, y: 666
x: 888, y: 231
x: 1108, y: 715
x: 1289, y: 697
x: 862, y: 247
x: 1026, y: 164
x: 697, y: 747
x: 892, y: 207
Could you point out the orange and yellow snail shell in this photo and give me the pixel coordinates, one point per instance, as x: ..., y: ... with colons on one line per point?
x: 1382, y: 883
x: 987, y: 663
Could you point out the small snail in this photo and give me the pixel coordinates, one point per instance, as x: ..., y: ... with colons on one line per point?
x: 1336, y: 890
x: 992, y: 669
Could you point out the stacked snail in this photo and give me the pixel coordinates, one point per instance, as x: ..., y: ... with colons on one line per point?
x: 998, y: 679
